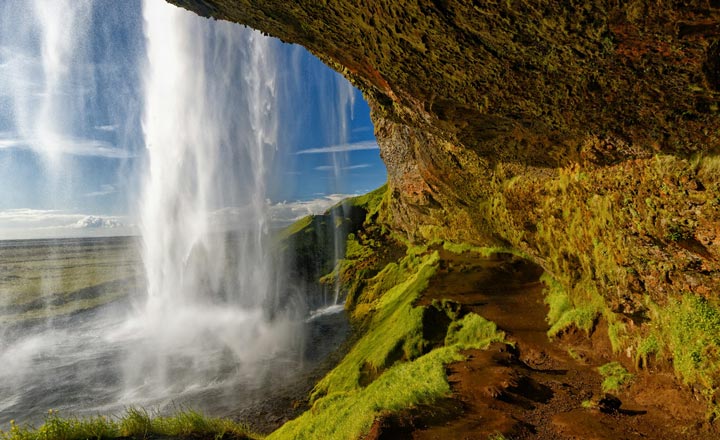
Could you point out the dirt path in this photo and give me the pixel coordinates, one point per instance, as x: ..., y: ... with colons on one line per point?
x: 536, y: 389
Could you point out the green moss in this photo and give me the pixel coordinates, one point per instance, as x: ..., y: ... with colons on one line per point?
x: 473, y: 331
x: 354, y: 250
x: 395, y: 330
x: 563, y: 313
x: 556, y: 298
x: 370, y: 202
x: 614, y: 376
x: 350, y: 414
x: 391, y: 367
x: 689, y: 328
x: 588, y: 404
x: 136, y: 423
x: 347, y: 415
x: 617, y: 333
x: 646, y: 347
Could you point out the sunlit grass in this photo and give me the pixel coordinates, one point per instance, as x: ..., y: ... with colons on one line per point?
x: 135, y: 423
x: 391, y: 367
x: 395, y: 331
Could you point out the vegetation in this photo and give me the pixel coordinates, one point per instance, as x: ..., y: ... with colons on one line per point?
x: 687, y: 332
x: 614, y: 376
x: 395, y: 331
x: 392, y: 366
x: 626, y: 252
x: 563, y: 313
x: 135, y: 424
x: 604, y: 198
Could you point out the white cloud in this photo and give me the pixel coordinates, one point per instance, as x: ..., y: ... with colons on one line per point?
x: 347, y: 168
x: 355, y: 146
x: 288, y: 212
x: 35, y: 216
x: 104, y: 191
x: 44, y: 223
x: 65, y: 145
x: 106, y: 127
x: 95, y: 222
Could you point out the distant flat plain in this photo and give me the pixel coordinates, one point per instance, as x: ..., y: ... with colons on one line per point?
x: 45, y: 279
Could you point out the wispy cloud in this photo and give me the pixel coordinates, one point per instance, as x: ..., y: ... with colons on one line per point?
x: 44, y: 223
x: 64, y: 145
x: 355, y: 146
x: 346, y: 168
x: 288, y: 212
x: 104, y: 191
x: 106, y: 127
x: 24, y: 216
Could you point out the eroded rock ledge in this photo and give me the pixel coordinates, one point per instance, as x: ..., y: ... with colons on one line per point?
x: 583, y: 135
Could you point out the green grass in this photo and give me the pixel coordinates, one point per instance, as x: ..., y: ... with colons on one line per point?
x: 135, y: 423
x: 473, y: 331
x: 391, y: 367
x: 350, y: 414
x: 646, y: 347
x: 686, y: 331
x: 614, y: 376
x: 294, y: 228
x: 563, y: 313
x: 396, y: 331
x: 371, y: 202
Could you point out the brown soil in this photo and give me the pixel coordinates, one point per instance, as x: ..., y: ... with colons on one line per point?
x: 535, y: 389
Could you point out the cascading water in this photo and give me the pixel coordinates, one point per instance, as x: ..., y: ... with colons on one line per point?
x: 210, y: 126
x: 346, y: 101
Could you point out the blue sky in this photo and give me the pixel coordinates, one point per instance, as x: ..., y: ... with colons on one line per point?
x: 72, y: 152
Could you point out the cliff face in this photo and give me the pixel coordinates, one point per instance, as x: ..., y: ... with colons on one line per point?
x: 584, y: 136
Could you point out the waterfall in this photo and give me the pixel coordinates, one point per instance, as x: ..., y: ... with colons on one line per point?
x: 345, y: 102
x: 210, y: 126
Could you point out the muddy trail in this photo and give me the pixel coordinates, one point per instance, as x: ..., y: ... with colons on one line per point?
x: 536, y: 389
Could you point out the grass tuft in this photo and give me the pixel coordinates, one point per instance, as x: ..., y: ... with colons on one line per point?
x: 614, y: 376
x: 473, y: 331
x: 563, y: 314
x: 136, y: 424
